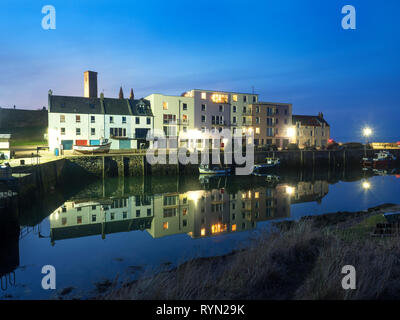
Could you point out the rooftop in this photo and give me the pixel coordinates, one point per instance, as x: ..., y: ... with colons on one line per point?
x: 312, y: 121
x: 112, y: 106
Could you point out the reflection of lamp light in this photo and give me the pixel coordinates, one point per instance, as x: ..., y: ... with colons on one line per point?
x: 289, y: 190
x: 195, y: 195
x: 291, y: 132
x: 366, y: 185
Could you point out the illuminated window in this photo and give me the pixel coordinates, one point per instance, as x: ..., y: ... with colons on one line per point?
x: 184, y: 212
x: 203, y: 232
x: 258, y: 130
x: 219, y: 98
x: 78, y: 119
x: 204, y: 95
x: 235, y: 97
x: 256, y: 195
x: 165, y: 105
x: 62, y: 118
x: 234, y: 227
x: 217, y: 228
x: 165, y: 225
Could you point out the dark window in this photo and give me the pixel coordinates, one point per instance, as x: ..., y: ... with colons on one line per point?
x: 137, y: 120
x: 184, y: 106
x: 148, y: 120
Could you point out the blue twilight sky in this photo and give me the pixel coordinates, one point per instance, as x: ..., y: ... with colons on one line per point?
x: 288, y: 50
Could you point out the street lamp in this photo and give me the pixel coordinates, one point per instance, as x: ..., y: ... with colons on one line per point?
x: 367, y: 132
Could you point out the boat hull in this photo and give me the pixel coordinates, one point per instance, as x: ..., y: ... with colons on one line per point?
x: 216, y: 172
x: 105, y: 148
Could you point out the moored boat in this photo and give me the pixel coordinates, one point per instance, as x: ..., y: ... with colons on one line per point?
x: 103, y: 147
x: 265, y: 169
x: 207, y: 169
x: 383, y: 159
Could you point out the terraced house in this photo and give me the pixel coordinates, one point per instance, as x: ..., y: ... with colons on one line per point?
x: 311, y: 131
x: 89, y: 119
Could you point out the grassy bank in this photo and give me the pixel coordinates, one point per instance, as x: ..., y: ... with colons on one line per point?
x: 301, y: 260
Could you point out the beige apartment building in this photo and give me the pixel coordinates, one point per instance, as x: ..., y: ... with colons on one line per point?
x: 271, y: 123
x: 311, y: 131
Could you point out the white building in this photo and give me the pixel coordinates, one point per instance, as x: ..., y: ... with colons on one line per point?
x: 87, y: 120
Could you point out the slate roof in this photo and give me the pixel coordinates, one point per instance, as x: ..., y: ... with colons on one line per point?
x: 310, y: 121
x: 83, y: 105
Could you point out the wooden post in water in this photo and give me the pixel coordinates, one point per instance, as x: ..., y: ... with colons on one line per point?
x: 301, y: 158
x: 103, y: 174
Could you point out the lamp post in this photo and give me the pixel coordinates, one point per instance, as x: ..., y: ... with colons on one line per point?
x: 366, y: 133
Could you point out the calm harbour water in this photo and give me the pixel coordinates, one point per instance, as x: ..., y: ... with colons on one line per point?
x: 125, y: 226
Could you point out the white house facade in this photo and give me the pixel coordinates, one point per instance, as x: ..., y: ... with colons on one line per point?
x: 87, y: 120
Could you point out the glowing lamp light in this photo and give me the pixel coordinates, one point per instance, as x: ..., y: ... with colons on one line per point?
x: 367, y: 132
x: 289, y: 190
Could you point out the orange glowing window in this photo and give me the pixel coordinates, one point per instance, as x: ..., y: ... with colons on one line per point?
x: 203, y: 232
x: 165, y: 225
x: 185, y: 211
x: 165, y: 105
x: 217, y: 228
x: 234, y: 227
x: 235, y: 97
x: 219, y: 98
x: 257, y: 195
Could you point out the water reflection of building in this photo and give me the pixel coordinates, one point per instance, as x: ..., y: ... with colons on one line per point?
x: 306, y: 191
x: 79, y: 219
x: 197, y: 213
